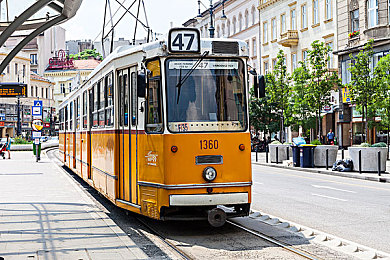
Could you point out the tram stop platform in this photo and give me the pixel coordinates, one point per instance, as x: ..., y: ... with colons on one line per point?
x: 44, y: 214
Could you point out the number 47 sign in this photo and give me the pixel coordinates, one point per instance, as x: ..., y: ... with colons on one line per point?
x: 184, y: 40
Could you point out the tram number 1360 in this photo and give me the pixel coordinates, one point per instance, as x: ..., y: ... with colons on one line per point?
x: 208, y: 144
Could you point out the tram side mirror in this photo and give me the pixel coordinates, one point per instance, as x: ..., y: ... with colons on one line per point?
x: 259, y: 86
x: 141, y: 85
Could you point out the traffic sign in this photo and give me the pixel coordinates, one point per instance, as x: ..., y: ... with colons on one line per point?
x: 37, y: 125
x: 36, y: 134
x: 37, y: 111
x: 38, y: 103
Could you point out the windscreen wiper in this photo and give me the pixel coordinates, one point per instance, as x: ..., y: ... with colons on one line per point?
x: 182, y: 80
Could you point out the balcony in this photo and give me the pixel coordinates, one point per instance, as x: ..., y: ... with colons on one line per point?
x: 289, y: 38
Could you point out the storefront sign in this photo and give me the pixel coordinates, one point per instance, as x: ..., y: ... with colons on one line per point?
x: 61, y: 62
x: 346, y: 97
x: 1, y: 123
x: 12, y: 89
x: 46, y: 125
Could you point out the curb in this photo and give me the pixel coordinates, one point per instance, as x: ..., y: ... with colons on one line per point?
x: 322, y: 238
x: 334, y: 173
x: 28, y: 147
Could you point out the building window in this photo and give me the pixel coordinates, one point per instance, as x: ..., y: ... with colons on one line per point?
x: 42, y: 92
x: 345, y: 73
x: 282, y: 23
x: 372, y: 13
x: 274, y: 63
x: 36, y: 91
x: 240, y: 22
x: 266, y: 67
x: 293, y: 19
x: 228, y: 28
x: 265, y: 32
x: 330, y: 54
x: 34, y: 59
x: 31, y: 91
x: 254, y: 47
x: 315, y: 12
x: 273, y: 28
x: 304, y: 56
x: 304, y: 16
x: 16, y: 69
x: 234, y: 25
x: 62, y: 86
x: 8, y: 69
x: 328, y: 9
x: 253, y: 15
x: 223, y: 30
x: 70, y: 87
x: 293, y: 61
x: 247, y: 18
x: 355, y: 20
x: 47, y: 93
x: 218, y: 32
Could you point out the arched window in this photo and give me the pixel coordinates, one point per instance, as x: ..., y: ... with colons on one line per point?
x: 354, y: 15
x: 218, y: 32
x: 240, y: 22
x: 228, y: 28
x: 223, y: 30
x: 246, y: 19
x: 253, y: 14
x: 234, y: 25
x: 372, y: 13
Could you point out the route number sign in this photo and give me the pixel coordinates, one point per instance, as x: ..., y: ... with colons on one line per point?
x: 184, y: 40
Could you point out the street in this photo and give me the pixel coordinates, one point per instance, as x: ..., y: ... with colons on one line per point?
x: 355, y: 210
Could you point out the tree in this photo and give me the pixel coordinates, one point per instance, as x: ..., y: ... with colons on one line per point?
x: 382, y: 95
x: 86, y: 54
x: 300, y: 100
x: 279, y: 90
x: 261, y: 115
x: 363, y: 86
x: 321, y: 80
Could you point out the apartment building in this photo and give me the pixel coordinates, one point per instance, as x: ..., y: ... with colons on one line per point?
x: 358, y: 22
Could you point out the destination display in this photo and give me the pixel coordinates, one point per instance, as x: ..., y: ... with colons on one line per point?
x: 13, y: 89
x: 186, y: 65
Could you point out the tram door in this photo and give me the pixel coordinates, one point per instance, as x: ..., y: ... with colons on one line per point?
x: 127, y: 156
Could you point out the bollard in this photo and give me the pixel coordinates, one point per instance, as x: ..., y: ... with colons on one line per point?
x: 266, y: 154
x: 312, y: 157
x: 288, y: 153
x: 360, y: 161
x: 327, y: 154
x: 277, y: 155
x: 256, y: 153
x: 379, y: 163
x: 342, y: 153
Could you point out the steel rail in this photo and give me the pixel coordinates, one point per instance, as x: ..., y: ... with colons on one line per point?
x: 276, y: 242
x: 164, y: 240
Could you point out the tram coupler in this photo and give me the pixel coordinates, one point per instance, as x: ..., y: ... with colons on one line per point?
x: 216, y: 217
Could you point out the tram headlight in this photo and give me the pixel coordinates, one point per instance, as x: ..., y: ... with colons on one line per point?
x: 209, y: 174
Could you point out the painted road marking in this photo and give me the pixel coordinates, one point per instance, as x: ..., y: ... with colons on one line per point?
x: 331, y: 188
x: 320, y: 179
x: 328, y: 197
x: 259, y: 183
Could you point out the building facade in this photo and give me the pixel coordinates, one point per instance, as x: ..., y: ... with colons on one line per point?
x: 38, y: 88
x: 358, y: 22
x: 241, y: 22
x: 41, y: 48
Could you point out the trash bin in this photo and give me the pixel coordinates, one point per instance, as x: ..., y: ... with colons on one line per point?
x: 39, y: 149
x: 296, y: 155
x: 307, y: 156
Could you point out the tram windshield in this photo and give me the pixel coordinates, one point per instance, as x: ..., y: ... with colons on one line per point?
x: 206, y: 97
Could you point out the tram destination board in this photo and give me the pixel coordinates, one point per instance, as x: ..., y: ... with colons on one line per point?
x: 13, y: 89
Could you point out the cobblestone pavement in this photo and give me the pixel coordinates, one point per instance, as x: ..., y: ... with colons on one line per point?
x: 45, y: 215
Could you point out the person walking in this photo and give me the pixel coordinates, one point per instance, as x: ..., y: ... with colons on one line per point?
x: 8, y: 143
x: 330, y: 137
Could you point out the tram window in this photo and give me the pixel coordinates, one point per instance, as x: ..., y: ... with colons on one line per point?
x: 121, y: 105
x: 101, y: 102
x: 95, y: 115
x: 78, y: 113
x: 91, y: 107
x: 109, y: 104
x: 134, y: 99
x: 153, y: 117
x: 85, y: 108
x: 66, y: 118
x: 71, y: 117
x: 126, y: 97
x: 61, y: 113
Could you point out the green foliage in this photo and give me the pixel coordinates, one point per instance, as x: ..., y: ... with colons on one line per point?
x: 262, y: 116
x: 315, y: 142
x: 363, y: 85
x: 86, y: 54
x: 381, y: 144
x: 320, y: 80
x: 365, y: 145
x: 21, y: 140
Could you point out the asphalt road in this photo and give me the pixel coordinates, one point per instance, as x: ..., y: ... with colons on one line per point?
x: 355, y: 210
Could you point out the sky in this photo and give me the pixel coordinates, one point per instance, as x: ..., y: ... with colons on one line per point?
x: 88, y: 22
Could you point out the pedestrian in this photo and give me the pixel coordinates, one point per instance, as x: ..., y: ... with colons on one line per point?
x: 8, y: 147
x: 330, y: 137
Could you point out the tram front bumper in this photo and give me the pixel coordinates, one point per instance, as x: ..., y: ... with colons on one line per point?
x: 208, y: 199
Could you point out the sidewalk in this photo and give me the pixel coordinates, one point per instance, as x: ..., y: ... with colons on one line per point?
x: 45, y: 215
x: 385, y: 177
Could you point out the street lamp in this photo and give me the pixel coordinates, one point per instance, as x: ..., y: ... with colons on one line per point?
x: 211, y: 13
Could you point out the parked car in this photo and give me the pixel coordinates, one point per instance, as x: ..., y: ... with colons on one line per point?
x: 54, y: 138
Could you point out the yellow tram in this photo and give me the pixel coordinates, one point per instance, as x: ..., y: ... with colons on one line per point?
x: 161, y: 129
